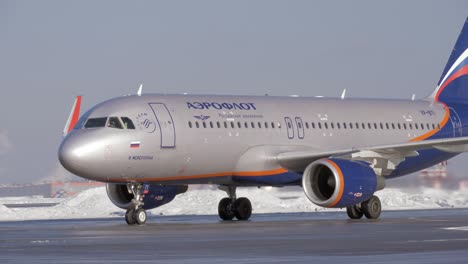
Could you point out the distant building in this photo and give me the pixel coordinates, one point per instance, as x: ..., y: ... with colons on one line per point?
x: 53, y: 189
x: 67, y: 189
x: 434, y: 176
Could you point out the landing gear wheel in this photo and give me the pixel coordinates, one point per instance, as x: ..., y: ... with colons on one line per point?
x: 130, y: 217
x: 372, y: 207
x: 225, y: 209
x: 140, y: 216
x: 242, y: 208
x: 354, y: 212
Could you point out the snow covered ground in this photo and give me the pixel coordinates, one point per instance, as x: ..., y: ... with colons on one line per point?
x: 94, y: 203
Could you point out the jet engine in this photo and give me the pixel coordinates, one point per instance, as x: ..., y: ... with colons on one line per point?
x: 339, y: 182
x: 155, y: 195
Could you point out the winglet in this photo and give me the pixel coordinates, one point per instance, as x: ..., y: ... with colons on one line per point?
x: 74, y: 115
x: 140, y: 90
x: 343, y: 94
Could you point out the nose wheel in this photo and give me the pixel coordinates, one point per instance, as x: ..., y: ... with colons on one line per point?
x: 136, y: 215
x: 231, y: 207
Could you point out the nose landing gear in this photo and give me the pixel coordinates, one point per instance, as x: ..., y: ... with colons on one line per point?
x: 136, y: 214
x: 231, y: 206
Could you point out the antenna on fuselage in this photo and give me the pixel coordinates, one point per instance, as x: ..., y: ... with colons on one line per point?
x: 343, y: 94
x: 140, y: 89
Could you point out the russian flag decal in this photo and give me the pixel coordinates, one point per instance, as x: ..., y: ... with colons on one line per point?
x: 135, y: 144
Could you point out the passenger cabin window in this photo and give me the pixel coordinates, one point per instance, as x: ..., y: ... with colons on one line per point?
x: 96, y: 122
x: 128, y: 124
x: 114, y: 122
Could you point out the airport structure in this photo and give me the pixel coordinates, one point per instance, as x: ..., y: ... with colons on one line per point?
x: 56, y: 189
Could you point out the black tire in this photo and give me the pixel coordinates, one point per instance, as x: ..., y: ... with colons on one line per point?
x: 130, y: 217
x: 242, y: 209
x: 354, y: 212
x: 372, y: 207
x: 225, y: 209
x: 140, y: 216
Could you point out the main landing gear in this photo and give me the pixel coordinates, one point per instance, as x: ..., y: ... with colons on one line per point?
x: 370, y: 208
x: 231, y: 207
x: 136, y: 214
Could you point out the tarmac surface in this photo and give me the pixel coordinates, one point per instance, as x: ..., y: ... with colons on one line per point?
x: 420, y: 236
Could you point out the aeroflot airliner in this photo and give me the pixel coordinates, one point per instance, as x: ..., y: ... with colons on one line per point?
x: 149, y: 148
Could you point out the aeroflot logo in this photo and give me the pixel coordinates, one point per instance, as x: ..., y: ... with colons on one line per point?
x: 219, y: 106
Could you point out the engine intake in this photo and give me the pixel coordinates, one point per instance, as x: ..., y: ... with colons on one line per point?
x: 155, y: 195
x: 339, y: 182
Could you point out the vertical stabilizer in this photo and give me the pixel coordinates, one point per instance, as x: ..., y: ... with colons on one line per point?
x: 74, y: 116
x: 453, y: 84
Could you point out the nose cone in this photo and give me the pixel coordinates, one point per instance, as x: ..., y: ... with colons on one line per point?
x: 69, y: 158
x: 80, y: 156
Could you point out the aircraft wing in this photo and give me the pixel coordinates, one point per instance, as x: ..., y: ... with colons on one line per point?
x: 383, y: 157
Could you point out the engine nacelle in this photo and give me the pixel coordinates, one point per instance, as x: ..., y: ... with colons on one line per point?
x: 155, y: 195
x: 340, y: 182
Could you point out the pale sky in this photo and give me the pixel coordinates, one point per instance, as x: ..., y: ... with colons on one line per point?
x: 51, y: 51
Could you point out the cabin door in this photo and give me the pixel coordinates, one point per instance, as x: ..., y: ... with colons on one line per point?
x: 165, y: 124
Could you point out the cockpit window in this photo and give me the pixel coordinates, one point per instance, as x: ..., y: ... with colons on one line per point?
x: 128, y: 124
x: 96, y: 122
x: 114, y: 122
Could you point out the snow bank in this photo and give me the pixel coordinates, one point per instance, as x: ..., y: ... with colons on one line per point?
x: 94, y: 203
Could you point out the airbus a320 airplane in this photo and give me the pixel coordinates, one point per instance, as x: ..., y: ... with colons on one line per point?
x: 148, y: 148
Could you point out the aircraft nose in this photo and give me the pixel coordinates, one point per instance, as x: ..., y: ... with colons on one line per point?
x: 69, y: 158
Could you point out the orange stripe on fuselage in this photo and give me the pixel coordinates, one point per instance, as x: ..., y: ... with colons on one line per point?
x: 214, y: 175
x: 340, y: 192
x: 433, y: 131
